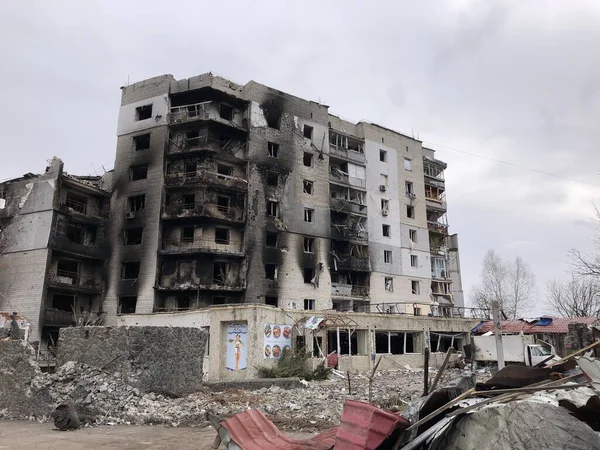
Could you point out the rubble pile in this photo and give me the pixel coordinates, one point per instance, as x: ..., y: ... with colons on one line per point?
x: 103, y: 398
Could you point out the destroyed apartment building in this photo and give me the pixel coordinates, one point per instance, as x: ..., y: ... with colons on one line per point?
x: 247, y: 211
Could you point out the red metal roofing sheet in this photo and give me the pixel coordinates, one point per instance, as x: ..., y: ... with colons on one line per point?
x: 365, y: 426
x: 251, y: 430
x: 559, y: 325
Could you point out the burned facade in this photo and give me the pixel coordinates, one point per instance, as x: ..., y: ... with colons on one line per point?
x: 227, y: 193
x: 54, y: 249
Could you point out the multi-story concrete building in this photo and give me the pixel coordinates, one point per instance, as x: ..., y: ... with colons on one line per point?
x: 226, y: 193
x: 53, y: 248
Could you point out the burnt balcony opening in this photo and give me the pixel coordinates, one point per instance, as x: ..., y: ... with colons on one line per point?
x: 67, y: 266
x: 271, y: 239
x: 346, y: 255
x: 350, y: 284
x: 225, y: 111
x: 346, y: 142
x: 76, y: 202
x: 220, y: 273
x: 223, y: 169
x: 81, y: 234
x: 216, y: 139
x: 187, y: 234
x: 127, y: 304
x: 63, y: 302
x: 222, y: 235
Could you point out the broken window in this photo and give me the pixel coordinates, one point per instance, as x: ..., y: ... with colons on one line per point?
x: 223, y: 169
x: 137, y: 203
x: 271, y: 271
x: 273, y: 149
x: 183, y: 302
x: 225, y: 111
x: 386, y: 230
x: 220, y: 271
x: 412, y: 235
x: 410, y: 212
x: 389, y: 284
x: 407, y: 164
x: 308, y: 159
x: 271, y: 239
x: 308, y: 131
x: 218, y: 300
x: 187, y: 234
x: 385, y: 207
x: 309, y: 274
x: 382, y: 156
x: 414, y: 262
x: 67, y: 267
x: 141, y: 142
x: 318, y: 347
x: 222, y: 235
x: 409, y: 188
x: 271, y: 300
x: 387, y: 256
x: 192, y: 138
x: 309, y: 304
x: 130, y: 270
x: 76, y: 202
x: 63, y: 302
x: 191, y: 168
x: 309, y: 215
x: 309, y: 245
x: 143, y: 112
x: 127, y: 304
x: 138, y: 172
x: 272, y: 178
x: 75, y: 233
x: 272, y: 208
x: 133, y: 236
x: 308, y: 187
x: 223, y: 203
x: 416, y: 288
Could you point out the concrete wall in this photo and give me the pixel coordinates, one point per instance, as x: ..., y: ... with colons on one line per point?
x: 165, y: 360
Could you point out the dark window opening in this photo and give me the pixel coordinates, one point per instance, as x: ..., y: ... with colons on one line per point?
x: 308, y: 159
x: 410, y: 211
x: 272, y: 209
x: 309, y: 245
x: 63, y: 302
x: 410, y: 343
x: 382, y: 155
x: 270, y: 300
x: 309, y: 215
x: 127, y: 304
x: 396, y: 343
x: 381, y: 342
x: 225, y: 111
x: 130, y: 270
x: 137, y: 203
x: 143, y: 112
x: 309, y: 304
x: 386, y: 230
x: 82, y: 235
x: 345, y: 340
x: 220, y: 270
x: 272, y: 238
x: 192, y: 136
x: 222, y: 235
x: 308, y: 187
x: 272, y: 178
x: 309, y: 274
x: 223, y: 203
x: 273, y: 116
x: 141, y: 142
x: 187, y: 234
x: 183, y: 302
x: 273, y: 149
x: 133, y: 236
x: 308, y: 131
x: 67, y: 267
x: 218, y: 300
x: 138, y: 172
x: 189, y: 201
x: 223, y: 169
x: 271, y: 271
x: 300, y: 343
x: 191, y: 168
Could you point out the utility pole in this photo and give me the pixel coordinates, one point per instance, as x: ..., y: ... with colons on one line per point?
x: 498, y: 333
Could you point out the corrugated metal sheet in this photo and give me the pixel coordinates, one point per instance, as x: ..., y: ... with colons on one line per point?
x: 251, y: 430
x: 365, y: 426
x: 559, y: 325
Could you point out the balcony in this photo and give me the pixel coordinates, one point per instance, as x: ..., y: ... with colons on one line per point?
x: 81, y: 209
x: 350, y: 262
x: 437, y: 227
x: 347, y: 206
x: 200, y: 246
x: 73, y: 281
x: 210, y: 210
x: 346, y: 154
x: 349, y: 290
x: 172, y: 284
x: 435, y: 203
x: 201, y: 112
x: 205, y: 177
x: 344, y: 232
x: 95, y: 248
x: 59, y: 317
x: 207, y: 144
x: 339, y: 177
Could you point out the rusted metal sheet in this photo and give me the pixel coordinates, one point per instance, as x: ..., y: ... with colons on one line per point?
x: 365, y: 426
x: 251, y: 430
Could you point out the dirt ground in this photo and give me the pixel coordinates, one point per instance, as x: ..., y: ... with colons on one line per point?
x: 27, y: 435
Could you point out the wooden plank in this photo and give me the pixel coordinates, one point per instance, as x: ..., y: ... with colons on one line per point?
x: 577, y: 353
x: 441, y: 371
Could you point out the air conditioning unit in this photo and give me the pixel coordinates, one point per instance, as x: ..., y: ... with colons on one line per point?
x: 382, y: 187
x: 384, y: 212
x: 130, y: 215
x: 411, y: 195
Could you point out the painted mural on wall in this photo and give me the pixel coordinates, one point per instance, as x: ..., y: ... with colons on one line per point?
x: 237, y: 347
x: 277, y: 339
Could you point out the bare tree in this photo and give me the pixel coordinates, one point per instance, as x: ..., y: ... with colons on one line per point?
x: 579, y: 297
x: 511, y: 284
x: 588, y: 264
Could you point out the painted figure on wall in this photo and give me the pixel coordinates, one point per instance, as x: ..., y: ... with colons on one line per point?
x: 237, y: 351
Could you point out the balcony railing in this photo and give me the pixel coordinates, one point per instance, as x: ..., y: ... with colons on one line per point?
x: 74, y: 206
x: 198, y: 111
x: 206, y: 177
x: 345, y: 232
x: 74, y: 279
x: 437, y: 227
x: 211, y: 210
x: 228, y: 247
x: 59, y: 317
x: 349, y: 290
x: 350, y: 262
x: 347, y: 206
x: 171, y: 283
x: 344, y: 153
x: 337, y: 176
x: 206, y: 143
x: 424, y: 309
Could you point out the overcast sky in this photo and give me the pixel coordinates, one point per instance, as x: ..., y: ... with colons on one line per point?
x: 515, y: 81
